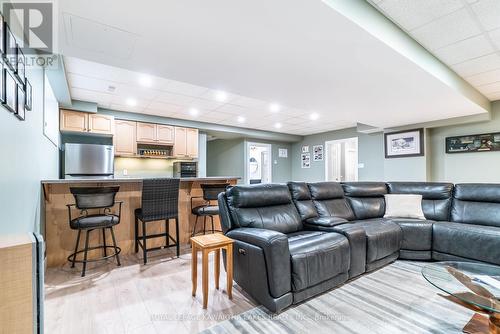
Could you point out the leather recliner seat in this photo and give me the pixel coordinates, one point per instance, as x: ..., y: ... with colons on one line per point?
x: 276, y: 260
x: 474, y: 230
x: 383, y: 236
x: 417, y: 233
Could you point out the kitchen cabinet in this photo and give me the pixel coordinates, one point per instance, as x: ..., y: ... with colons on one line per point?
x: 146, y: 133
x: 101, y: 124
x: 149, y: 133
x: 125, y: 138
x: 186, y: 142
x: 73, y: 121
x: 165, y: 134
x: 83, y: 122
x: 192, y: 142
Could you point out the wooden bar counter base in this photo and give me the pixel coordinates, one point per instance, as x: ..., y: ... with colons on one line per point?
x: 60, y: 239
x: 206, y: 244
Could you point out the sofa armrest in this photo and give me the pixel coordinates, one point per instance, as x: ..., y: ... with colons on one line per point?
x: 276, y: 252
x: 326, y: 221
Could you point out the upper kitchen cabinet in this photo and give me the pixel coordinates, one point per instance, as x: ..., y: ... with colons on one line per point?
x: 149, y: 133
x: 82, y: 122
x: 146, y: 133
x: 125, y: 138
x: 73, y: 121
x: 186, y: 142
x: 101, y: 124
x: 165, y: 134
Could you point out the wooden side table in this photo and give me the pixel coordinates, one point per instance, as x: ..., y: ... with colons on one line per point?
x: 206, y: 244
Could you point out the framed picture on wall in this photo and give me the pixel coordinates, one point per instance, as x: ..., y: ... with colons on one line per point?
x: 2, y: 35
x: 10, y: 91
x: 402, y: 144
x: 20, y: 65
x: 20, y: 111
x: 305, y: 160
x: 318, y: 153
x: 2, y: 83
x: 10, y: 49
x: 29, y: 95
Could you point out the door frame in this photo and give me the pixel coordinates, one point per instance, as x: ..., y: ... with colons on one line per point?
x: 356, y: 139
x: 247, y: 150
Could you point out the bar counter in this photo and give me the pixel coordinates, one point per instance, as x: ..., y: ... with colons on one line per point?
x: 60, y: 239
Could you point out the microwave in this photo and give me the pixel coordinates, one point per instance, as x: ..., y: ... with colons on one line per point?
x: 185, y: 169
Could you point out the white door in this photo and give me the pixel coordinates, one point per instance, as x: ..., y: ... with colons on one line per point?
x: 258, y: 163
x: 341, y: 160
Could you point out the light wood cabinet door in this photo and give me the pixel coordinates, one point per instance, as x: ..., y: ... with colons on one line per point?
x: 73, y: 121
x: 125, y: 138
x: 146, y: 133
x: 192, y: 142
x: 165, y: 134
x: 180, y: 144
x: 101, y: 124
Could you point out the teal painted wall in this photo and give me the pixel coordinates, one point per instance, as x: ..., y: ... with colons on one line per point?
x: 465, y: 167
x: 226, y: 157
x: 27, y: 158
x: 371, y: 154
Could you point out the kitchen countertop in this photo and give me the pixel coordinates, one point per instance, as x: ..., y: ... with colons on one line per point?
x: 137, y: 179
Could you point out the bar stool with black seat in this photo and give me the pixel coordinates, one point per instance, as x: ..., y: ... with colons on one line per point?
x: 160, y: 201
x: 210, y: 193
x: 103, y: 200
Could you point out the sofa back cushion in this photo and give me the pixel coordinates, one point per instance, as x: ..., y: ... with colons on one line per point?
x: 366, y: 198
x: 267, y: 206
x: 329, y: 200
x: 302, y: 199
x: 436, y: 197
x: 475, y: 203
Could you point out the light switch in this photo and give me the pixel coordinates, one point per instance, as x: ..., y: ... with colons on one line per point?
x: 361, y: 165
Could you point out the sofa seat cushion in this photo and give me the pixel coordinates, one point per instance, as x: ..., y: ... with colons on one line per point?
x: 475, y: 242
x: 326, y: 221
x: 383, y: 238
x: 317, y: 256
x: 417, y: 233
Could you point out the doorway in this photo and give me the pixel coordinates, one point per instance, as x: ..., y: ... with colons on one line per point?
x: 341, y: 160
x: 258, y: 163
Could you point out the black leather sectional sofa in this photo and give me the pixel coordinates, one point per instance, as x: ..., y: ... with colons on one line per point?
x: 297, y: 240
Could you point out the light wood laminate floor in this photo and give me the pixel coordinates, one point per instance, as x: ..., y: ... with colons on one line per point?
x: 133, y: 298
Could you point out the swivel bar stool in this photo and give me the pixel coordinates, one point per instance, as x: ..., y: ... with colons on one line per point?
x: 210, y: 193
x: 160, y: 201
x: 103, y: 200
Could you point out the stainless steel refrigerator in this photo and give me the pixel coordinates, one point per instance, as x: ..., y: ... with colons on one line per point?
x: 88, y: 161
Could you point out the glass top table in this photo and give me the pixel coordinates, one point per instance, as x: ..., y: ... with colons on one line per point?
x: 472, y: 285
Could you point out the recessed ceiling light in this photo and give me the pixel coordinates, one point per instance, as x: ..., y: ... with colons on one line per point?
x: 146, y: 81
x: 314, y: 116
x: 278, y: 125
x: 241, y: 119
x: 194, y: 112
x: 274, y: 107
x: 131, y: 102
x: 220, y: 96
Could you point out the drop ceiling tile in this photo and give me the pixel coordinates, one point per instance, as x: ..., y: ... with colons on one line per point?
x: 414, y: 13
x: 464, y: 50
x: 183, y: 88
x: 495, y: 37
x: 478, y: 65
x: 446, y: 30
x: 89, y: 83
x: 123, y: 107
x: 484, y: 78
x: 90, y: 95
x: 217, y: 115
x: 490, y: 88
x: 250, y: 102
x: 488, y: 13
x: 204, y: 104
x: 167, y: 97
x: 211, y: 94
x: 140, y: 93
x: 232, y: 109
x: 168, y: 107
x: 119, y: 100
